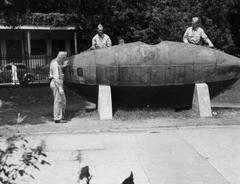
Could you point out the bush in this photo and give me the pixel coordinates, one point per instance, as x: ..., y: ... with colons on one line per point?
x: 17, y: 157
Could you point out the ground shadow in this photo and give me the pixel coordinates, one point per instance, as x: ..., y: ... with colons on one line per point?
x: 151, y: 98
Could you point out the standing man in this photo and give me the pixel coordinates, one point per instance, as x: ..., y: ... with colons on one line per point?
x: 195, y: 33
x: 14, y: 74
x: 101, y: 40
x: 56, y: 84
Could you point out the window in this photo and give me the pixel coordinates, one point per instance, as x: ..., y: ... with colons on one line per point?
x: 38, y: 47
x: 14, y: 51
x: 80, y: 72
x: 14, y: 48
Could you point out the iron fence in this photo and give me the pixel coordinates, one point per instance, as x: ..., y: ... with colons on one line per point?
x: 24, y: 69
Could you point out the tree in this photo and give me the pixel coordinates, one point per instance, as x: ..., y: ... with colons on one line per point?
x: 214, y: 17
x: 149, y: 21
x: 233, y: 17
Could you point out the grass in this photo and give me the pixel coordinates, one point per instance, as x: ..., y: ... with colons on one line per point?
x: 151, y: 113
x: 230, y: 95
x: 36, y: 103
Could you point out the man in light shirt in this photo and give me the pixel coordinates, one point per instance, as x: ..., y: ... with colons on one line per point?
x: 56, y: 84
x: 194, y: 34
x: 14, y: 74
x: 101, y: 40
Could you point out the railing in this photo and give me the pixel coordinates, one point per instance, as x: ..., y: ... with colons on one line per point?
x: 29, y: 69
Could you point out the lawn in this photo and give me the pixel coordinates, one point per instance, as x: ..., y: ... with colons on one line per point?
x: 36, y: 104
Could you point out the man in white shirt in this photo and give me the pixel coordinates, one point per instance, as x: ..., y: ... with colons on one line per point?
x: 194, y: 34
x: 101, y: 40
x: 14, y: 74
x: 56, y: 84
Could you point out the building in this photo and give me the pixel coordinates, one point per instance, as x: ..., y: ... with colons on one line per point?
x: 36, y: 43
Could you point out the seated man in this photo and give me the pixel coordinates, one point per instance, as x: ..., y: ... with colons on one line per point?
x: 194, y: 34
x: 101, y: 40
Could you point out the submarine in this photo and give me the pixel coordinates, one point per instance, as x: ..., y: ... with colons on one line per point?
x: 163, y: 74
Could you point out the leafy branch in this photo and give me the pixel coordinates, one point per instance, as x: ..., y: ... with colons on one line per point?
x: 17, y: 157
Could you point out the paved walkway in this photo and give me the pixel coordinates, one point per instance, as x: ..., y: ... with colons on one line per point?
x: 93, y: 125
x: 190, y: 155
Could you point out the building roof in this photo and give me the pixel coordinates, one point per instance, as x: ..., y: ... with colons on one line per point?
x: 30, y: 27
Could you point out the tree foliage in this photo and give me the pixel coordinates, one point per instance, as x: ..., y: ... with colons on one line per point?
x: 149, y: 21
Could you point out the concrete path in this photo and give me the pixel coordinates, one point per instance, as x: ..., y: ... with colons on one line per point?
x: 161, y: 156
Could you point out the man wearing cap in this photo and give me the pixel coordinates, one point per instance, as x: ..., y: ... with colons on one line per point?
x: 194, y: 34
x: 120, y: 40
x: 56, y: 84
x: 100, y: 40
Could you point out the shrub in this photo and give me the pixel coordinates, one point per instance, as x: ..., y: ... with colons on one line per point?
x: 17, y: 157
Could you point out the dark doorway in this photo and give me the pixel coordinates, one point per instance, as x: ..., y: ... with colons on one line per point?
x: 14, y: 51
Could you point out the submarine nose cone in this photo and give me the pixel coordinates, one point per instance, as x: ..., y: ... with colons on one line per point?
x: 226, y: 59
x: 228, y: 65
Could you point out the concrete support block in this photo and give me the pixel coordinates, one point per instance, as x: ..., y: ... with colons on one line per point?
x: 104, y: 102
x: 201, y: 100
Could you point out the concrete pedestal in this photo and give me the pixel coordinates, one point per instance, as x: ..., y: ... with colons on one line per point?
x: 104, y: 102
x: 201, y: 100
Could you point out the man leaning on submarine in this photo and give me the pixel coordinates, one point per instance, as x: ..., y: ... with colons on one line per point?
x: 56, y: 84
x: 100, y: 40
x: 195, y: 34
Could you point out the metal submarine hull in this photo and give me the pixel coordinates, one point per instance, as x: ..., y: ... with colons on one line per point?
x: 163, y: 69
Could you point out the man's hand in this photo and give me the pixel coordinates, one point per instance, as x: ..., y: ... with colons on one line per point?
x: 92, y: 48
x: 211, y: 45
x: 66, y: 63
x: 61, y: 91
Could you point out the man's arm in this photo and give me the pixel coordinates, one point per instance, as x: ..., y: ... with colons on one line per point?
x: 109, y: 42
x: 185, y: 37
x: 50, y: 72
x: 206, y: 39
x: 93, y: 43
x: 65, y: 64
